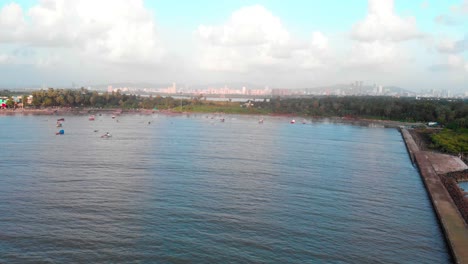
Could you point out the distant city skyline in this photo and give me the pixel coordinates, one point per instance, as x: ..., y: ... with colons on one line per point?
x: 417, y: 45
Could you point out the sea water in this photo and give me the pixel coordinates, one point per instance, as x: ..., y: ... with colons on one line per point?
x: 190, y: 188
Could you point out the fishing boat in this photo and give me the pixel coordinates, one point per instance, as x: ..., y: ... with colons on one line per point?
x: 293, y: 121
x: 91, y: 118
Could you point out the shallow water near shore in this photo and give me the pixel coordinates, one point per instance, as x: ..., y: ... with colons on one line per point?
x: 193, y: 189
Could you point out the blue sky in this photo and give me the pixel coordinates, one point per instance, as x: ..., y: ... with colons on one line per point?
x: 291, y: 44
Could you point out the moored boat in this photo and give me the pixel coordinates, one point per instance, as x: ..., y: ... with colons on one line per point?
x: 106, y: 135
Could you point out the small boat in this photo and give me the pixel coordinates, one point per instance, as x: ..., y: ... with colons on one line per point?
x: 61, y: 119
x: 61, y: 132
x: 106, y: 135
x: 293, y: 121
x: 260, y: 121
x: 113, y: 116
x: 59, y: 124
x: 91, y: 118
x: 304, y: 121
x: 222, y: 119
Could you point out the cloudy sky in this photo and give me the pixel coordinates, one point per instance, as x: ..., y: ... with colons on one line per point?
x: 417, y: 44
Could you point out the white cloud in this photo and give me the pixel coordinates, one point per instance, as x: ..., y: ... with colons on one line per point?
x: 317, y: 54
x: 114, y: 31
x: 253, y: 38
x: 383, y: 24
x: 377, y: 54
x: 11, y: 22
x: 253, y: 25
x: 455, y: 61
x: 319, y: 40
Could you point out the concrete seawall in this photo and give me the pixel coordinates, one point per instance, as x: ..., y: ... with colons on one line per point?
x: 453, y: 225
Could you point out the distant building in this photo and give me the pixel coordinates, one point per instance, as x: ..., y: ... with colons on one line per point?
x: 280, y: 92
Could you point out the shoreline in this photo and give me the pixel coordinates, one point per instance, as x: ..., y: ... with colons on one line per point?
x: 119, y: 111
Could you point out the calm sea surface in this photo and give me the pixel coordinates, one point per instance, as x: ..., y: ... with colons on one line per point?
x: 191, y: 189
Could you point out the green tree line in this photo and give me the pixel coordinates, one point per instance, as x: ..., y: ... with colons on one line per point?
x: 449, y: 113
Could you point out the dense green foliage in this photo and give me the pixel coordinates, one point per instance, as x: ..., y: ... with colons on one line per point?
x: 83, y: 97
x: 452, y: 141
x: 452, y: 113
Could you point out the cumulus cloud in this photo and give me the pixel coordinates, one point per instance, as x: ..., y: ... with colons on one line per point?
x: 254, y: 37
x: 253, y: 25
x: 115, y: 31
x: 11, y: 22
x: 317, y: 54
x: 319, y: 41
x: 383, y: 24
x: 375, y: 54
x: 379, y: 40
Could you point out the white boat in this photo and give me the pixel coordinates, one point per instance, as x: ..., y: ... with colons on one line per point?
x: 293, y: 121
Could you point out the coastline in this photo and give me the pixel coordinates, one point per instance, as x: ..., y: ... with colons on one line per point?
x: 63, y: 111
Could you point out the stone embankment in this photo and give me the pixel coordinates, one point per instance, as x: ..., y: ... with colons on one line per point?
x: 454, y: 227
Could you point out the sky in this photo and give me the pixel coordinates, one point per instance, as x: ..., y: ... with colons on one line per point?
x: 417, y: 44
